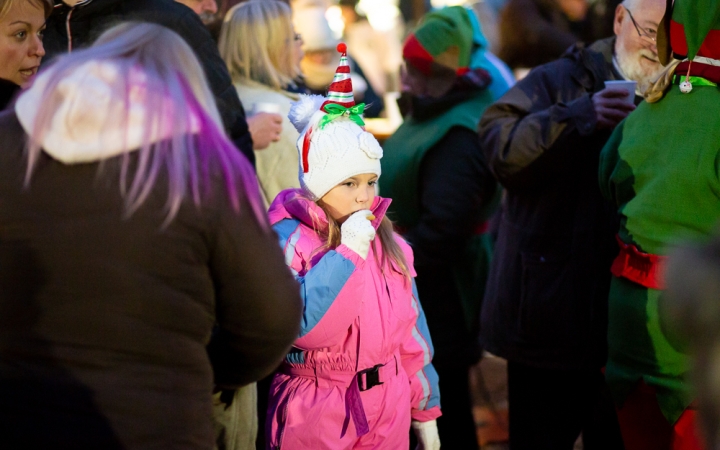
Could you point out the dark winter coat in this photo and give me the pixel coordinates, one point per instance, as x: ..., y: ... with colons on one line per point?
x: 104, y: 321
x: 443, y: 192
x: 8, y: 90
x: 89, y: 21
x: 546, y: 300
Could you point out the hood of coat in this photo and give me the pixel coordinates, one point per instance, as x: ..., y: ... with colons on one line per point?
x: 295, y: 204
x: 86, y: 123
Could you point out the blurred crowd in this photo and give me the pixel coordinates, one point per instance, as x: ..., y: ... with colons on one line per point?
x: 195, y: 253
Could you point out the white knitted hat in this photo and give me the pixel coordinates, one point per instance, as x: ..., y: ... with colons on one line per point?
x: 333, y: 146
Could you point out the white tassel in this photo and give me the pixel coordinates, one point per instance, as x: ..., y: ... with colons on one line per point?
x: 302, y: 110
x: 686, y: 86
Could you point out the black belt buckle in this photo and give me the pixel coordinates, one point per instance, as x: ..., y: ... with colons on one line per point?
x: 372, y: 377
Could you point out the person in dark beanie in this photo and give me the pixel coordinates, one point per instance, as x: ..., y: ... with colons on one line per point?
x: 444, y: 192
x: 77, y: 23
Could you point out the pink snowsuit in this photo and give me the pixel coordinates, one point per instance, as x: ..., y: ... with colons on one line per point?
x: 356, y: 317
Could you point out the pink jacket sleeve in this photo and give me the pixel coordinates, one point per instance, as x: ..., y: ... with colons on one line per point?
x: 329, y: 289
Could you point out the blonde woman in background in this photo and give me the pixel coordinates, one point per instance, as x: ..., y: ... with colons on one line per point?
x: 21, y: 49
x: 263, y: 53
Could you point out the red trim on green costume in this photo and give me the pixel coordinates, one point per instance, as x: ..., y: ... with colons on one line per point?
x: 642, y: 268
x: 710, y: 47
x: 710, y: 73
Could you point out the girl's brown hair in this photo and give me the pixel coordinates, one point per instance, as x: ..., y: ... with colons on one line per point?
x: 390, y: 248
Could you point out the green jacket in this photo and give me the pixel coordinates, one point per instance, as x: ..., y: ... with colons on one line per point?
x: 661, y: 168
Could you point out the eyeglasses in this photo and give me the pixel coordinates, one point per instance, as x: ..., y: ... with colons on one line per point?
x: 647, y: 33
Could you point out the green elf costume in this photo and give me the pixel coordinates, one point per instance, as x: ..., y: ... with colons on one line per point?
x: 443, y: 193
x: 661, y: 167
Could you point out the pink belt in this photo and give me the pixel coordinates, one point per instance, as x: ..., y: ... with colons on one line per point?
x: 355, y: 382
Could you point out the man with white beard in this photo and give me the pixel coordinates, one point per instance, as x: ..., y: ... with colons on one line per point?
x: 545, y: 306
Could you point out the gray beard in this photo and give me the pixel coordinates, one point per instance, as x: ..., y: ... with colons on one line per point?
x: 630, y: 68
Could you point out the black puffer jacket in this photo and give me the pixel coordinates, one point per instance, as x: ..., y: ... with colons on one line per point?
x: 546, y: 300
x: 104, y: 320
x: 89, y: 20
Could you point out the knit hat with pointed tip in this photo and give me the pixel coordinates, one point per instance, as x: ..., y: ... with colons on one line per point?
x: 444, y: 37
x: 340, y: 91
x: 333, y: 144
x: 695, y: 29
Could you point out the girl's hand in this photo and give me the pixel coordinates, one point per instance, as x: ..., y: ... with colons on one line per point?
x: 427, y: 435
x: 357, y: 232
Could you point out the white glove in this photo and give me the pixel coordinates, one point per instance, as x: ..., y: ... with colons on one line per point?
x: 427, y: 435
x: 357, y: 232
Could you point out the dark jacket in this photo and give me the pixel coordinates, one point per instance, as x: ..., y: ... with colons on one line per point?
x: 89, y: 21
x: 546, y: 300
x: 8, y: 91
x: 453, y: 191
x: 104, y: 321
x: 457, y: 191
x: 534, y: 32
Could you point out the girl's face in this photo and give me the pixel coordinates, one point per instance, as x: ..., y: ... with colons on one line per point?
x: 21, y: 47
x: 354, y: 194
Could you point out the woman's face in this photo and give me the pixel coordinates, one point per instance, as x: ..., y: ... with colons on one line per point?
x: 297, y: 48
x: 21, y: 47
x: 352, y: 195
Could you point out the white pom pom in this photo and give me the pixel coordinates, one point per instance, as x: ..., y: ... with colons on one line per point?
x: 685, y: 87
x: 302, y: 110
x: 370, y: 146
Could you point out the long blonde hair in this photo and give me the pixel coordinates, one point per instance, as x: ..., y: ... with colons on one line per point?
x: 390, y: 248
x: 6, y: 5
x: 659, y: 87
x: 256, y: 42
x: 176, y: 98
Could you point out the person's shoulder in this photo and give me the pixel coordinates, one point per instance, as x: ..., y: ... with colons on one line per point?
x: 574, y: 64
x: 458, y: 140
x: 170, y: 7
x: 252, y: 91
x: 12, y: 135
x: 10, y: 128
x: 287, y: 227
x: 168, y: 13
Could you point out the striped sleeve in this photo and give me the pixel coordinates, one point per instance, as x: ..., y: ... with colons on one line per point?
x: 329, y: 290
x: 417, y: 353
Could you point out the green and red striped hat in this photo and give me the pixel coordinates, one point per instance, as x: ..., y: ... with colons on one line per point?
x: 443, y: 37
x: 341, y: 91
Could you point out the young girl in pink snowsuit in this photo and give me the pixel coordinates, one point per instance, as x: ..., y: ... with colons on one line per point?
x: 360, y: 371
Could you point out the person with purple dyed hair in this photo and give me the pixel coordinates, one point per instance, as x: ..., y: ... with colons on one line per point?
x: 137, y: 267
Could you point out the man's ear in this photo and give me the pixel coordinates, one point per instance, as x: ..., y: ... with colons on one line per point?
x: 663, y: 35
x: 619, y: 17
